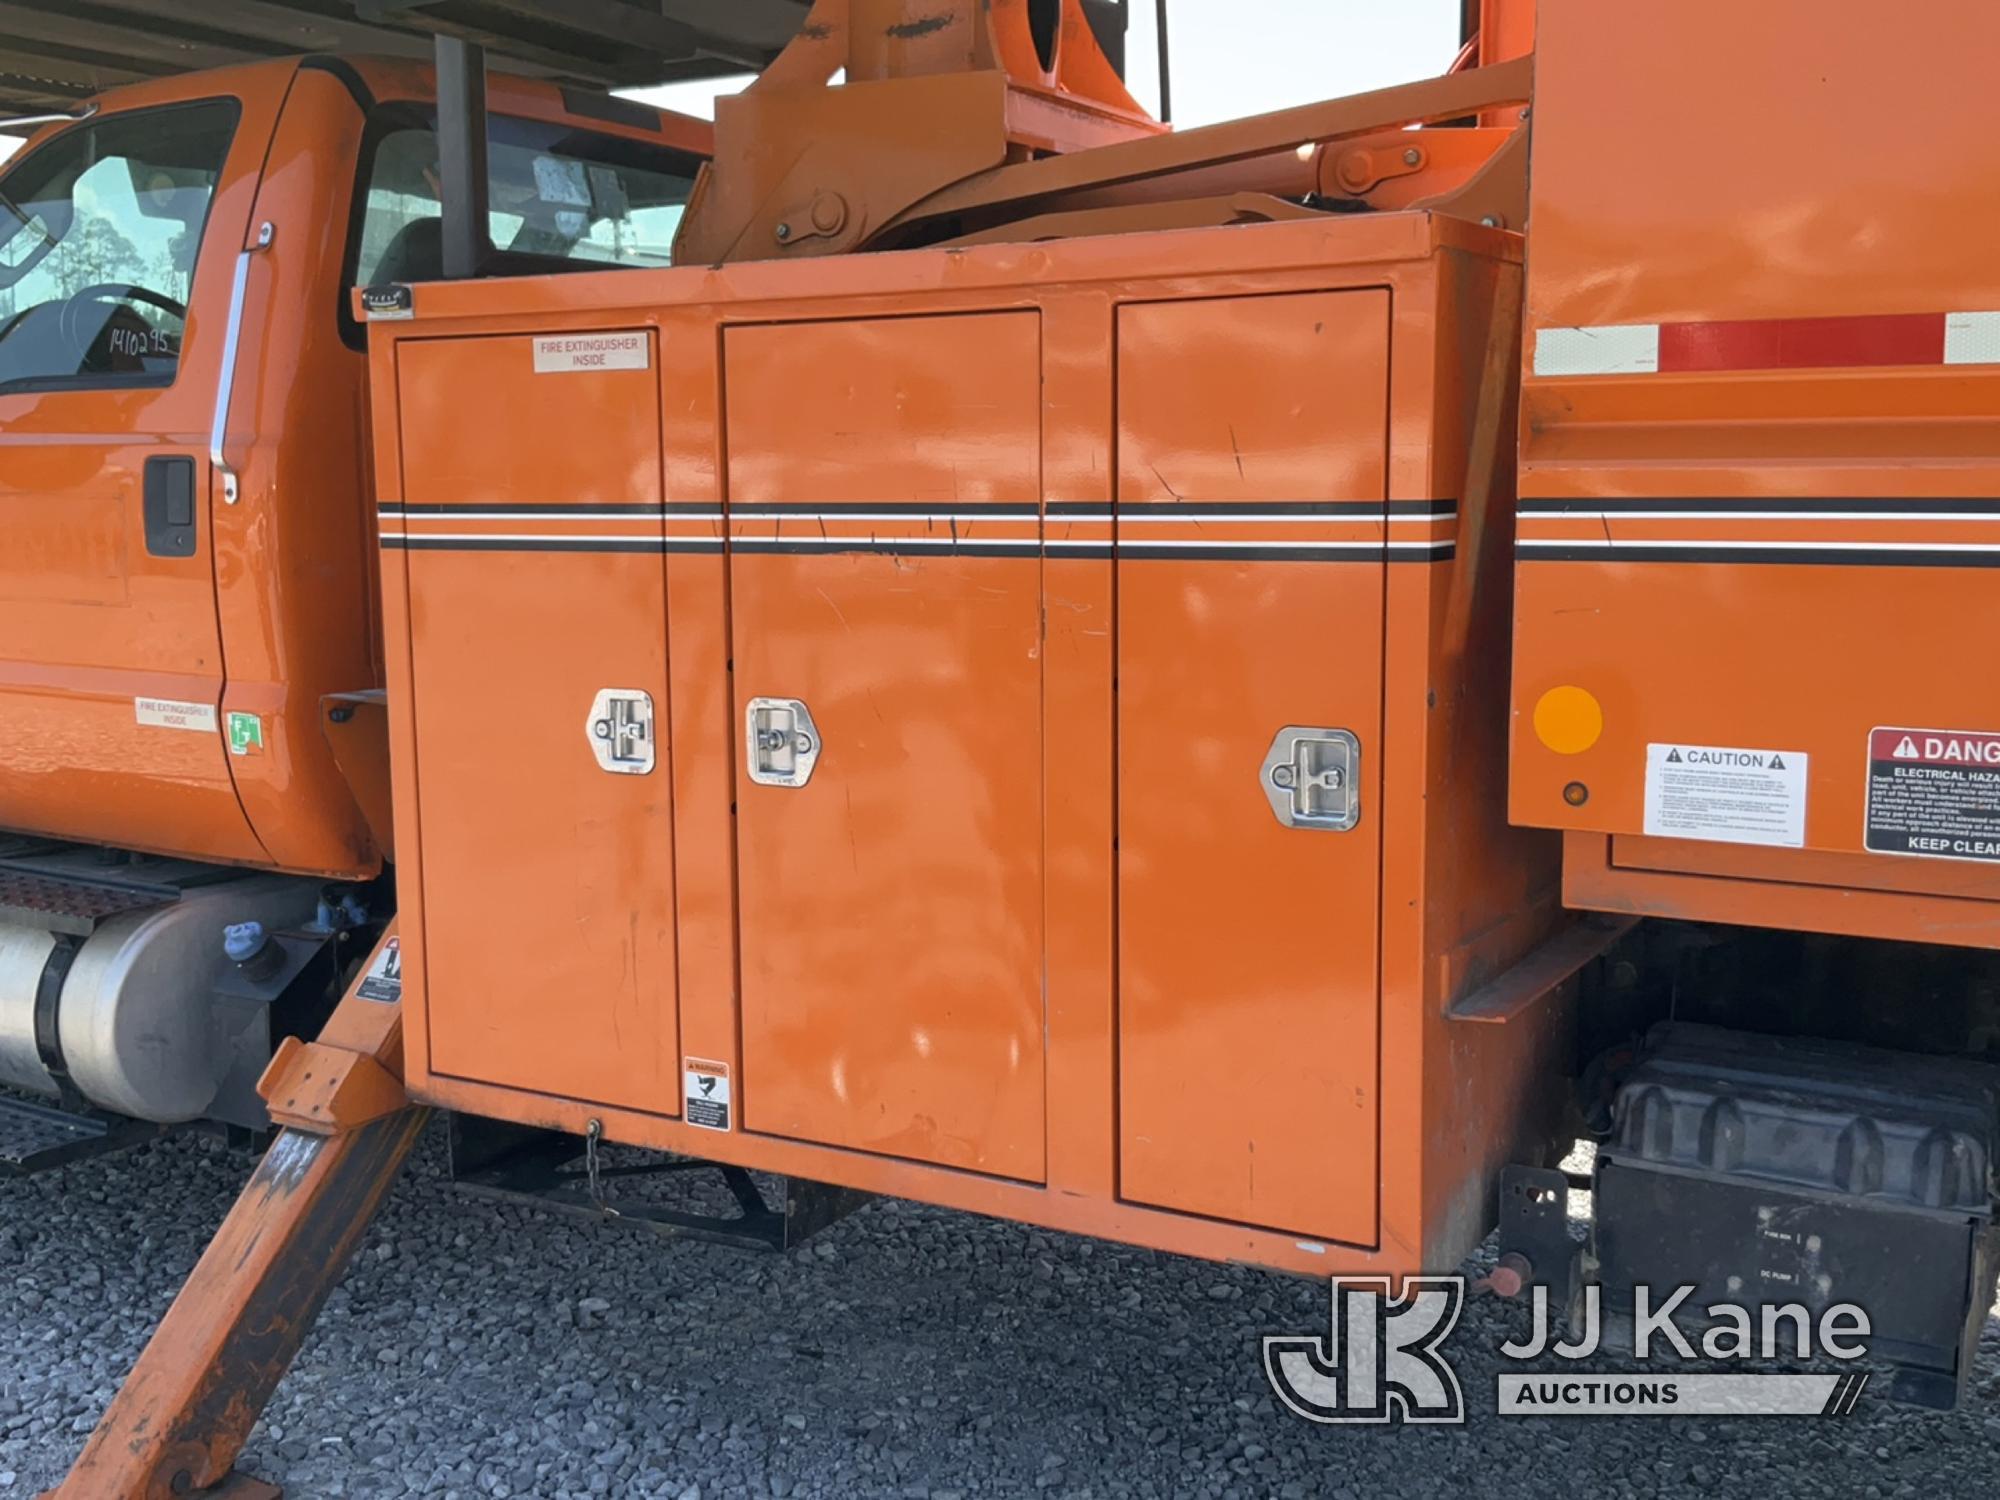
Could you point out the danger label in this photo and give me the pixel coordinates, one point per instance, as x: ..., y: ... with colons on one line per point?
x: 707, y: 1094
x: 1726, y: 794
x: 1934, y: 793
x: 571, y: 352
x: 384, y: 979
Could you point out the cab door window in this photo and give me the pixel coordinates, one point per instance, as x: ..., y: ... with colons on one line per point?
x: 558, y: 198
x: 99, y: 232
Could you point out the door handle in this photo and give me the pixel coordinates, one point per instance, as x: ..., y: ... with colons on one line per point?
x: 1312, y: 778
x: 782, y: 741
x: 620, y: 728
x: 225, y: 387
x: 168, y: 485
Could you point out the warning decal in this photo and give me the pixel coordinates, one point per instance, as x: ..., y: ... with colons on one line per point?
x: 1934, y: 793
x: 1726, y: 795
x: 384, y: 979
x: 707, y: 1094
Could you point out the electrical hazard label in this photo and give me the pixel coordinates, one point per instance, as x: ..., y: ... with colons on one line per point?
x: 1726, y: 794
x: 384, y: 979
x: 1934, y: 794
x: 707, y: 1094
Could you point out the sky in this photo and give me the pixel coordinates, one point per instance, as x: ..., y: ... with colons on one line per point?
x: 1246, y: 57
x: 1238, y: 57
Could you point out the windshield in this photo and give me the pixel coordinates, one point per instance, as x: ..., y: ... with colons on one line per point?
x: 98, y: 235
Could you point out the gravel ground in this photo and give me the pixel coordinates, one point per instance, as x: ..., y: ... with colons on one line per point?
x: 480, y: 1349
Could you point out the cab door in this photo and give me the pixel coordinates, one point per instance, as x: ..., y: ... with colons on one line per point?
x: 117, y: 257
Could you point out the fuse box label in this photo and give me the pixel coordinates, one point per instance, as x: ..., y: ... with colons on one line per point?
x: 1934, y: 794
x: 707, y: 1094
x: 1726, y: 794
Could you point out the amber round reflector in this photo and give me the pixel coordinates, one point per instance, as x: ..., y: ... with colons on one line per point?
x: 1568, y: 720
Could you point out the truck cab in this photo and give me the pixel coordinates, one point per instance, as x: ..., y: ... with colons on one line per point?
x: 190, y: 653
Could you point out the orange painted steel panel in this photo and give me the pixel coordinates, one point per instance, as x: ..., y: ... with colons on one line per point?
x: 884, y: 571
x: 1248, y: 950
x: 1775, y: 559
x: 1805, y: 892
x: 548, y: 881
x: 90, y: 622
x: 294, y: 567
x: 1963, y: 879
x: 277, y: 606
x: 985, y: 385
x: 1787, y: 656
x: 1079, y: 791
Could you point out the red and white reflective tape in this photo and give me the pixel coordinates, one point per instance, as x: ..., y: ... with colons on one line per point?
x: 1962, y: 338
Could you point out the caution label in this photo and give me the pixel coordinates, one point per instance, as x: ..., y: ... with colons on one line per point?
x: 572, y: 352
x: 707, y: 1094
x: 1934, y: 793
x: 384, y: 979
x: 1726, y: 794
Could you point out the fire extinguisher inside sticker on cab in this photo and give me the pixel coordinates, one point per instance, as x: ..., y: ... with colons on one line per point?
x: 707, y: 1094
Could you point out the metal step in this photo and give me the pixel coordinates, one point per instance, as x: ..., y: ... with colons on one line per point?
x: 71, y: 888
x: 35, y: 1136
x: 63, y: 904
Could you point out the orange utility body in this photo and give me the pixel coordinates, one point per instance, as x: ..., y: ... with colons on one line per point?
x: 1773, y: 527
x: 1051, y: 541
x: 275, y: 611
x: 1021, y: 722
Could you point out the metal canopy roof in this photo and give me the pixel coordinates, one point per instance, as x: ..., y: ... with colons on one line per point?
x: 53, y: 52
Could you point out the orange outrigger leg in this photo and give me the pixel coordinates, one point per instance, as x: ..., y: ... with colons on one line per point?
x: 181, y: 1418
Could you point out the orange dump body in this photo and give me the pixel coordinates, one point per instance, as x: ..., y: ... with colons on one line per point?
x: 1760, y: 450
x: 970, y: 594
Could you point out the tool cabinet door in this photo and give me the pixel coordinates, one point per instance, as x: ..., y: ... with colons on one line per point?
x: 886, y: 623
x: 1250, y: 551
x: 538, y: 667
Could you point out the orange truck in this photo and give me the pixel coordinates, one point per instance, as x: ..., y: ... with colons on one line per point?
x: 191, y: 726
x: 1223, y: 689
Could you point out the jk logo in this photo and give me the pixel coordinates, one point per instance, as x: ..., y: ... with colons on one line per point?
x: 1382, y: 1362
